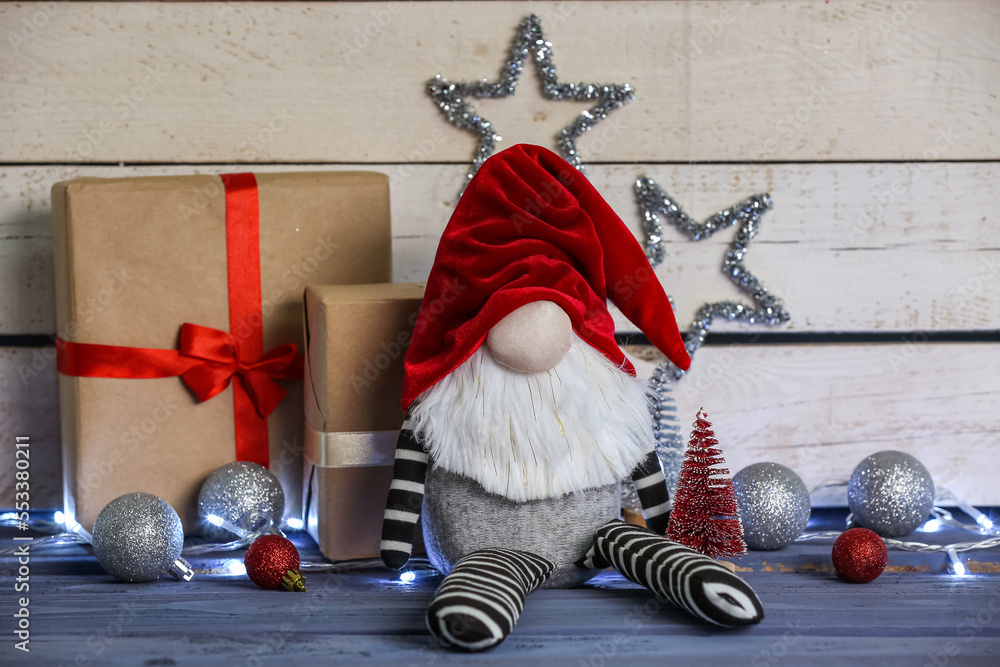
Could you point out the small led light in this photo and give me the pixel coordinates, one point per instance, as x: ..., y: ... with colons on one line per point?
x: 984, y: 521
x: 68, y: 521
x: 8, y: 516
x: 295, y: 524
x: 236, y: 567
x: 407, y: 577
x: 225, y: 524
x: 931, y: 526
x: 957, y: 566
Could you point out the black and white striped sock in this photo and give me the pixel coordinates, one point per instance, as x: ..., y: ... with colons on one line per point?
x: 406, y: 496
x: 479, y: 602
x: 681, y: 575
x: 653, y: 495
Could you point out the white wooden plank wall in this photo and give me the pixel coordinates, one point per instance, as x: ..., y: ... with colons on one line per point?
x: 874, y: 126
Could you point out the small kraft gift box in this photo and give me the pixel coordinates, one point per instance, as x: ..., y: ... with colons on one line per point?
x: 356, y: 339
x: 179, y: 308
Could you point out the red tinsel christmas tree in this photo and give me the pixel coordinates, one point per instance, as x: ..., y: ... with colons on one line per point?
x: 705, y: 515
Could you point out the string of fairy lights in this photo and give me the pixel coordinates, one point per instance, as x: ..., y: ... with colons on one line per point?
x: 70, y: 532
x: 254, y: 524
x: 940, y: 519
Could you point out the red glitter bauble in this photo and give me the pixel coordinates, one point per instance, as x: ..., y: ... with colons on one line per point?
x: 269, y: 558
x: 859, y: 555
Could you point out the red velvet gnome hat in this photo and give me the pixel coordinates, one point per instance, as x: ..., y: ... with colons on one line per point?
x: 529, y: 228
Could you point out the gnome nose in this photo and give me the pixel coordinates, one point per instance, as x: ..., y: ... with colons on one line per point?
x: 533, y: 338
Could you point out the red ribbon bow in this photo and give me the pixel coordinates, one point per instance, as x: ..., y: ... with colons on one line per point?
x: 219, y: 352
x: 209, y: 358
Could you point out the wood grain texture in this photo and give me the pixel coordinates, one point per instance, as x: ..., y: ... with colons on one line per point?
x: 819, y: 409
x: 344, y: 82
x: 849, y: 247
x: 781, y: 92
x: 909, y: 615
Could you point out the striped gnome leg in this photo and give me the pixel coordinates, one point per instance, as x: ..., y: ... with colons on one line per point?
x: 676, y: 573
x: 479, y: 602
x: 651, y: 487
x: 406, y: 495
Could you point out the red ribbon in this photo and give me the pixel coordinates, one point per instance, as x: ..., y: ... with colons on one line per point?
x: 208, y: 359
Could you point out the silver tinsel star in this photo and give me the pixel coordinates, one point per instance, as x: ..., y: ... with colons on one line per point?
x: 769, y: 310
x: 451, y: 97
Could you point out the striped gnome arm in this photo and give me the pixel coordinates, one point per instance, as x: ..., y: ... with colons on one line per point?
x: 653, y: 494
x: 406, y: 496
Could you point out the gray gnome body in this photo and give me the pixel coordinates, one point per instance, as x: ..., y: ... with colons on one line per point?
x: 460, y: 517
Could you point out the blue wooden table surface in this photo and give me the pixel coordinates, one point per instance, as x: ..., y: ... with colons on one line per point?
x: 916, y: 614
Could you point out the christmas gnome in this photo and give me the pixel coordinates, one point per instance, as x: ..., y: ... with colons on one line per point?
x: 523, y: 414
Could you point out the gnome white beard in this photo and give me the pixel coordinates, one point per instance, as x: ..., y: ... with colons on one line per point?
x: 525, y: 436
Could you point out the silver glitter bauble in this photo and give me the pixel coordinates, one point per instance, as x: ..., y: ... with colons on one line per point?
x: 774, y: 505
x: 138, y: 537
x: 233, y: 492
x: 891, y: 493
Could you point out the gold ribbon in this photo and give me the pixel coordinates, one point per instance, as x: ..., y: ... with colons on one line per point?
x: 356, y: 448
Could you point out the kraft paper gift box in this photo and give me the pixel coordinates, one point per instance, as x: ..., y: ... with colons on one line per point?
x: 356, y: 338
x: 199, y: 277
